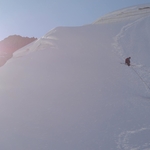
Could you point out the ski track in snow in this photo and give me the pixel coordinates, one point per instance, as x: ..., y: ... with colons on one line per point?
x: 117, y: 46
x: 134, y: 140
x: 139, y: 138
x: 142, y: 71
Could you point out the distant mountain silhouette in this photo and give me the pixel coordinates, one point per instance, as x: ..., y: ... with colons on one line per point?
x: 10, y: 44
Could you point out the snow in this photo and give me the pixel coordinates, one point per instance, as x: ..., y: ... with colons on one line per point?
x: 69, y: 90
x: 125, y: 14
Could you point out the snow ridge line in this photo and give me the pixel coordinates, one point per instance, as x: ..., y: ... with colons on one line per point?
x: 125, y: 15
x: 42, y: 43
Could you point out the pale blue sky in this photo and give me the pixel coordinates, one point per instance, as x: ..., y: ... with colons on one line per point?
x: 37, y: 17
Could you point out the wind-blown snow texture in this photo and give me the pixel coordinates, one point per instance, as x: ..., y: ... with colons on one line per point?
x: 69, y: 91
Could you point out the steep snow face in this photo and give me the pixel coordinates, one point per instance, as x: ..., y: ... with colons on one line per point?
x: 69, y: 90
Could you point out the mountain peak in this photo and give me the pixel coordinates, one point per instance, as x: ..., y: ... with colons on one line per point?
x: 125, y: 13
x: 11, y: 44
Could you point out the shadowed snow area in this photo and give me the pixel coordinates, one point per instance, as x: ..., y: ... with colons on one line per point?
x: 69, y: 91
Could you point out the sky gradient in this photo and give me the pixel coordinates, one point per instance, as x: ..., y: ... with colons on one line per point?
x: 34, y: 18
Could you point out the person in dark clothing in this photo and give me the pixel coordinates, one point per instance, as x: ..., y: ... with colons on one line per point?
x: 127, y: 61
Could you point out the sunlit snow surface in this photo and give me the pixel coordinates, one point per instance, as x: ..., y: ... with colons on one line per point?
x: 69, y: 91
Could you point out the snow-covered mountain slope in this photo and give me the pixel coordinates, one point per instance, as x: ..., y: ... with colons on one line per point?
x: 125, y: 14
x: 69, y: 90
